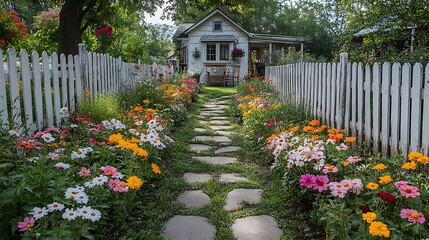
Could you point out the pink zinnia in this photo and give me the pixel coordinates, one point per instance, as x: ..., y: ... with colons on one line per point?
x: 307, y: 180
x: 357, y: 186
x: 84, y: 172
x: 409, y: 191
x: 400, y: 183
x: 353, y: 159
x: 342, y: 147
x: 27, y: 224
x: 321, y: 183
x: 330, y: 169
x: 115, y: 184
x: 413, y: 216
x: 339, y: 192
x: 109, y: 171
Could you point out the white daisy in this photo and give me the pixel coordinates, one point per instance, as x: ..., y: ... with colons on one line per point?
x: 94, y: 215
x: 73, y: 125
x: 78, y: 154
x: 33, y: 159
x: 62, y: 165
x: 138, y: 123
x: 47, y: 137
x: 85, y: 212
x: 89, y: 184
x: 72, y: 192
x: 70, y: 214
x: 100, y: 180
x: 86, y: 150
x: 39, y: 212
x: 60, y: 150
x: 55, y: 206
x: 54, y: 156
x: 81, y: 198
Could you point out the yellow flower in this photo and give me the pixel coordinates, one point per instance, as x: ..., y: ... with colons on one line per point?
x: 140, y: 152
x: 134, y: 182
x: 372, y: 186
x: 385, y: 179
x: 380, y: 166
x: 247, y: 113
x: 379, y: 229
x: 115, y: 138
x: 423, y: 160
x: 414, y: 156
x: 346, y: 163
x: 155, y: 169
x: 350, y: 139
x: 409, y: 165
x: 369, y: 217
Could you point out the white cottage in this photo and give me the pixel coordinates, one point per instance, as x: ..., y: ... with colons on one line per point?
x: 207, y: 46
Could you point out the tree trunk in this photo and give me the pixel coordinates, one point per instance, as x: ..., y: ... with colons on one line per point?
x: 71, y: 16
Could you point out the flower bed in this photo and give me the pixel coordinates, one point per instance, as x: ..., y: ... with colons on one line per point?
x: 353, y: 196
x: 80, y: 180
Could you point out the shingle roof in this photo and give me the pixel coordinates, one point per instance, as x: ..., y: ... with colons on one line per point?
x: 181, y: 29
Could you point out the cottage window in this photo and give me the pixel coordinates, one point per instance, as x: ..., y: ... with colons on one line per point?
x: 217, y: 26
x: 211, y: 52
x: 224, y: 52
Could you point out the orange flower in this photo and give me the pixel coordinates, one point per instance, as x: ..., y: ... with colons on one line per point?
x: 308, y: 129
x: 335, y: 137
x: 155, y: 168
x: 294, y: 129
x: 146, y: 101
x: 138, y: 108
x: 314, y: 122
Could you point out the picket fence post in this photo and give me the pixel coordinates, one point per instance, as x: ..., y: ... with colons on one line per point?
x: 344, y: 57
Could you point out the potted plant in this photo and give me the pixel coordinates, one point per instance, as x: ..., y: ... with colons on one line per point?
x: 196, y: 54
x: 237, y: 53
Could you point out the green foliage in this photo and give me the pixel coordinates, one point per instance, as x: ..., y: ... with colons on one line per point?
x: 12, y: 30
x: 100, y: 107
x: 45, y: 31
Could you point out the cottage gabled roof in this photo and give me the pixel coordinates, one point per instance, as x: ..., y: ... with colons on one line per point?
x: 216, y: 11
x: 181, y: 29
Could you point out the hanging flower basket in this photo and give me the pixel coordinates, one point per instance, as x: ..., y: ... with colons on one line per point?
x: 196, y: 54
x: 237, y: 53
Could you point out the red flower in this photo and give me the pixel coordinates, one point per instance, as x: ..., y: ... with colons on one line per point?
x: 387, y: 197
x: 271, y: 122
x: 364, y: 208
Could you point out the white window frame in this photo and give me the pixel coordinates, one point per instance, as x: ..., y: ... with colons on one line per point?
x: 217, y: 52
x: 221, y: 26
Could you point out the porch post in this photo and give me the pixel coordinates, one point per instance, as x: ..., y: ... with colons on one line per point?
x: 270, y: 50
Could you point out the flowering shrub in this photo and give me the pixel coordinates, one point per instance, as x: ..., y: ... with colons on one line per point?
x: 104, y: 38
x: 12, y: 29
x: 353, y: 196
x: 73, y: 180
x: 237, y: 52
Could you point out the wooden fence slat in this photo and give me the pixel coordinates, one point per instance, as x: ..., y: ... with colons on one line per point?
x: 354, y: 107
x: 324, y: 92
x: 385, y: 108
x: 64, y: 85
x: 405, y: 108
x: 38, y: 92
x: 338, y: 112
x: 416, y: 107
x: 328, y: 94
x: 367, y: 105
x: 56, y: 84
x: 78, y: 81
x: 348, y: 98
x: 360, y: 100
x: 333, y: 94
x: 47, y: 90
x: 395, y: 103
x: 90, y: 75
x: 319, y: 87
x: 425, y: 119
x: 376, y: 107
x: 4, y: 115
x: 26, y: 90
x: 72, y: 99
x: 14, y: 87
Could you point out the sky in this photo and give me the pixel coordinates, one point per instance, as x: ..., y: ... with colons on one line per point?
x: 157, y: 18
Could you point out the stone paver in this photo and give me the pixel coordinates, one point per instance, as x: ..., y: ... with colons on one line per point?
x: 209, y: 114
x: 221, y: 127
x: 199, y: 130
x: 236, y: 196
x: 189, y: 227
x: 196, y: 177
x: 194, y: 199
x: 214, y: 106
x: 231, y: 178
x: 213, y: 111
x: 219, y: 118
x: 261, y: 227
x: 216, y: 160
x: 225, y: 133
x: 202, y: 122
x: 218, y: 139
x: 219, y: 122
x: 198, y: 147
x: 227, y: 149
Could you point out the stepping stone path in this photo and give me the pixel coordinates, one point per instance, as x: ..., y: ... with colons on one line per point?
x: 198, y: 147
x: 196, y: 227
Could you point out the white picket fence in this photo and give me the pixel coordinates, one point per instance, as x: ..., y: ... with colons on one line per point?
x: 45, y: 85
x: 385, y: 105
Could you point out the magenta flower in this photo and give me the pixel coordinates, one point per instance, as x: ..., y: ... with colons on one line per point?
x: 27, y: 224
x: 342, y: 147
x: 84, y: 172
x: 109, y: 171
x: 307, y: 180
x: 321, y: 183
x: 339, y: 192
x: 400, y: 183
x: 413, y: 216
x: 409, y: 191
x: 353, y: 159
